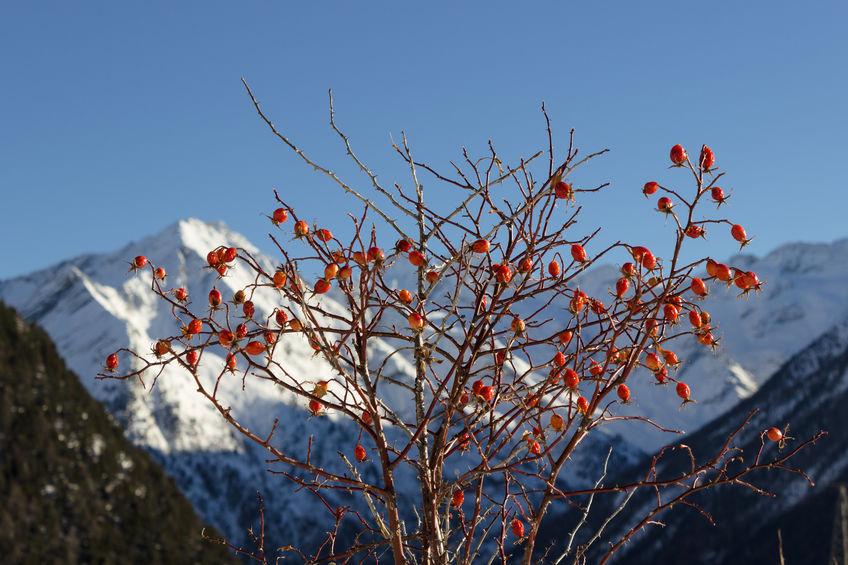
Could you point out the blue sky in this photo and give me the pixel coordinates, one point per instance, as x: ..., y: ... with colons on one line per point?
x: 119, y: 118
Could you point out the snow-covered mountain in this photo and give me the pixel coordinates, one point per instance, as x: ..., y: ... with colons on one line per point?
x: 804, y: 294
x: 90, y: 306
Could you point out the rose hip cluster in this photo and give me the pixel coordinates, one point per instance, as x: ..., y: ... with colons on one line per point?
x: 641, y: 279
x: 690, y: 227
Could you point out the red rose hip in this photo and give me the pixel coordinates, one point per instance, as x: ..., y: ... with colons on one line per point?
x: 678, y: 155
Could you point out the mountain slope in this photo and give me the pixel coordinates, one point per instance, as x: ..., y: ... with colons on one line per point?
x: 73, y: 489
x: 808, y: 392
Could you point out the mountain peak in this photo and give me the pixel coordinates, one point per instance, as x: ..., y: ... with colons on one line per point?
x: 194, y: 234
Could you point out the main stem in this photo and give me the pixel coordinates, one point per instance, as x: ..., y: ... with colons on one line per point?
x: 432, y: 546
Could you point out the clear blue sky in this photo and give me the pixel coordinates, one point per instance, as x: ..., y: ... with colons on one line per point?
x: 118, y: 118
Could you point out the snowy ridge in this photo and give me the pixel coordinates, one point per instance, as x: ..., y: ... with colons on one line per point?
x: 804, y: 294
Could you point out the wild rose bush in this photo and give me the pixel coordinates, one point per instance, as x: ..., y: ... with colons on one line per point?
x: 505, y: 383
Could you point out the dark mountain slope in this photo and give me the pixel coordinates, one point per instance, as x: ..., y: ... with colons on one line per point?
x: 810, y: 393
x: 72, y: 489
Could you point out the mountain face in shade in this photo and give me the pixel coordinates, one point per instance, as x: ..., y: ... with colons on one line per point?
x: 73, y: 489
x: 90, y: 306
x: 809, y: 392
